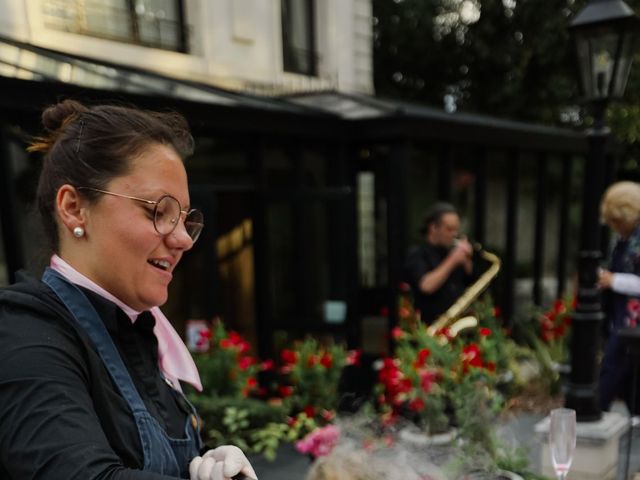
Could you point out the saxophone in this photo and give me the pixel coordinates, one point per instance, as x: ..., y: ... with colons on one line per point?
x: 467, y: 298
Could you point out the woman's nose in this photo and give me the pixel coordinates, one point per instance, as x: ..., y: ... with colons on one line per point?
x: 180, y: 238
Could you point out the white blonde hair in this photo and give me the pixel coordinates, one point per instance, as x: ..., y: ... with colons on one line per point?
x: 621, y: 204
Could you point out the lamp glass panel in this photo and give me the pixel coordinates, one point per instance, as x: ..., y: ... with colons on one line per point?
x: 603, y: 51
x: 583, y: 50
x: 624, y: 64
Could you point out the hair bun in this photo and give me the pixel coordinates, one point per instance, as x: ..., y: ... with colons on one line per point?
x: 56, y: 116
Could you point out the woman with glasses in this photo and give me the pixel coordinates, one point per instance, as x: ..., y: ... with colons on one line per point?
x: 90, y: 383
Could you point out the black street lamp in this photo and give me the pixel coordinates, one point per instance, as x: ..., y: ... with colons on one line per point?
x: 605, y: 34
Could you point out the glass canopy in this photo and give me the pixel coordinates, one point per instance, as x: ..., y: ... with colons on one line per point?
x: 28, y: 62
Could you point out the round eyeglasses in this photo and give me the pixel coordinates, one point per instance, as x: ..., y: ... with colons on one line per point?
x: 166, y: 213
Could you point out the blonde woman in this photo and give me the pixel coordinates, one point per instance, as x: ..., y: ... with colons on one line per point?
x: 620, y: 282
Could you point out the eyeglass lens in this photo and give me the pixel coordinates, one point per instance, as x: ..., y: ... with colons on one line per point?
x: 167, y: 217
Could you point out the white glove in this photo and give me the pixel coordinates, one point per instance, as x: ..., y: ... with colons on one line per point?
x: 221, y: 463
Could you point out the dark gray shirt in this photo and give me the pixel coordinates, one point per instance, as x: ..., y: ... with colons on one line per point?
x: 61, y: 416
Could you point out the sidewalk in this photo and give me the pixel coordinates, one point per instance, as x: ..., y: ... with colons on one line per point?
x: 291, y: 465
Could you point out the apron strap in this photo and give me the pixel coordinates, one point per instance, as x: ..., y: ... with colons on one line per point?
x: 83, y: 311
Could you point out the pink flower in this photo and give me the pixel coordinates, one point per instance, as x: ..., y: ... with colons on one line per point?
x: 427, y: 379
x: 267, y: 365
x: 396, y: 332
x: 319, y: 442
x: 353, y: 357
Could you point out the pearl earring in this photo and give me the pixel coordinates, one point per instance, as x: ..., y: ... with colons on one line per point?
x: 78, y: 232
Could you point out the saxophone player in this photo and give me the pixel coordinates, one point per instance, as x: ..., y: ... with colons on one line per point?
x: 440, y: 267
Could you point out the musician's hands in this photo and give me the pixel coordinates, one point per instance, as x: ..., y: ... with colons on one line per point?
x: 462, y: 251
x: 221, y: 463
x: 605, y: 279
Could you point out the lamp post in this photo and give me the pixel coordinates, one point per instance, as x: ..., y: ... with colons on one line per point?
x: 604, y: 33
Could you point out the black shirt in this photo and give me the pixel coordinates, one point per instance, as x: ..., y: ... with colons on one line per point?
x: 61, y: 415
x: 422, y: 259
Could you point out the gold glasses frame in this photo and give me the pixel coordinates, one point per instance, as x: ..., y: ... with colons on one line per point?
x: 192, y: 227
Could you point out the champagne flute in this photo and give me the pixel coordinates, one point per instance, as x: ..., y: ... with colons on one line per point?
x: 562, y: 440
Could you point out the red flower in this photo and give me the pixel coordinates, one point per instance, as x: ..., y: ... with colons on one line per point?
x: 251, y: 384
x: 312, y: 360
x: 326, y: 361
x: 404, y: 287
x: 485, y: 332
x: 558, y: 306
x: 423, y: 354
x: 235, y: 337
x: 310, y: 411
x: 471, y: 357
x: 285, y: 391
x: 497, y: 312
x: 245, y: 362
x: 384, y: 311
x: 289, y: 356
x: 417, y: 405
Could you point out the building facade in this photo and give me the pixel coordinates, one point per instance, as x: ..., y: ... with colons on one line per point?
x: 264, y: 46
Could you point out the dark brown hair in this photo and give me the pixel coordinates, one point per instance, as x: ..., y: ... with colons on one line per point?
x: 90, y: 146
x: 435, y: 214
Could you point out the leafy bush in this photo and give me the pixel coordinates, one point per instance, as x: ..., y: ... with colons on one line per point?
x: 227, y: 369
x: 245, y: 422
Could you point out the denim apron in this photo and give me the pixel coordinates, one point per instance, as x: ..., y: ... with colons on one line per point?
x: 162, y: 454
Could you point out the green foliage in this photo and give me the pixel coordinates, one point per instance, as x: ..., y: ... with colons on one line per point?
x: 226, y: 369
x: 511, y: 59
x: 432, y: 373
x: 253, y: 425
x: 547, y: 334
x: 268, y: 439
x: 313, y: 372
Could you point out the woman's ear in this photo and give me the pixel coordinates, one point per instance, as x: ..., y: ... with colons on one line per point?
x: 70, y: 207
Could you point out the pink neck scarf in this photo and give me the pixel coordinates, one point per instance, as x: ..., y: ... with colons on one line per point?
x: 174, y: 359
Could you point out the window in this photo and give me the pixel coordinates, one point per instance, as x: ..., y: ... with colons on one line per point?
x: 152, y: 23
x: 298, y: 37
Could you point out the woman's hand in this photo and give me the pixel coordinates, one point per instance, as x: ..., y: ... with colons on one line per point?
x: 605, y: 279
x: 221, y: 463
